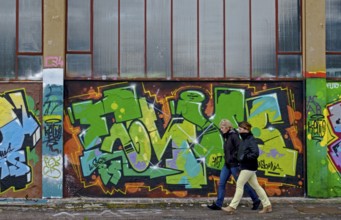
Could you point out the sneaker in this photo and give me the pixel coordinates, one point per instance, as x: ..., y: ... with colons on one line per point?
x: 255, y: 205
x: 266, y: 209
x: 214, y: 206
x: 229, y: 210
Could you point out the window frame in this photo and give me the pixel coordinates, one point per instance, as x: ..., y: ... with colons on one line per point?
x: 171, y: 74
x: 29, y: 54
x: 337, y: 53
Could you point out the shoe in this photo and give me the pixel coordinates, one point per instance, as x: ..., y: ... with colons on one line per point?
x: 255, y: 205
x: 266, y: 209
x: 214, y: 206
x: 229, y: 210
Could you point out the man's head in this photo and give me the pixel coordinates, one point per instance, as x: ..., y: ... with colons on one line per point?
x: 225, y: 125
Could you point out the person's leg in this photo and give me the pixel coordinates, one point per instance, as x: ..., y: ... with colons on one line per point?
x: 235, y: 172
x: 251, y: 192
x: 242, y: 180
x: 224, y: 176
x: 259, y: 190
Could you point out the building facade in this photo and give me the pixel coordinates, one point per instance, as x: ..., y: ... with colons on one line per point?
x: 123, y: 98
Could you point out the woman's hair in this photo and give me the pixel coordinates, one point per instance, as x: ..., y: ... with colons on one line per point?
x: 246, y: 125
x: 226, y: 123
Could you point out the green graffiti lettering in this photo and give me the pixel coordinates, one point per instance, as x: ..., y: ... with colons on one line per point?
x: 179, y: 131
x: 112, y: 173
x: 189, y: 106
x: 140, y: 153
x: 211, y: 147
x: 120, y: 102
x: 229, y: 103
x: 123, y: 103
x: 117, y: 131
x: 90, y: 115
x: 317, y: 127
x: 193, y: 170
x: 135, y: 143
x: 264, y: 112
x: 127, y: 136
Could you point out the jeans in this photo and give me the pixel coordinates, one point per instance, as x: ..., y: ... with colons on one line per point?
x: 248, y: 176
x: 224, y: 176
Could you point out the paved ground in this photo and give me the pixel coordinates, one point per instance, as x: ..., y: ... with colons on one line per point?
x: 96, y: 208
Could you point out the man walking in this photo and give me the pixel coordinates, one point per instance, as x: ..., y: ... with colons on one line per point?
x: 231, y: 166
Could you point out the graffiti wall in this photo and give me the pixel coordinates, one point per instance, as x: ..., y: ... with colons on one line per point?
x: 162, y: 139
x: 20, y: 135
x: 324, y: 138
x: 334, y: 127
x: 52, y: 149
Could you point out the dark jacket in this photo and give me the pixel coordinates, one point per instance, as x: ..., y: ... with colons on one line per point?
x: 248, y: 153
x: 231, y: 144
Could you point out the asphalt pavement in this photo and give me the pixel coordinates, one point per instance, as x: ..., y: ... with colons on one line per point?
x: 187, y: 208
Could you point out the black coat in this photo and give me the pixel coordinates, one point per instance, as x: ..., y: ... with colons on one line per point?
x: 231, y: 145
x: 248, y: 153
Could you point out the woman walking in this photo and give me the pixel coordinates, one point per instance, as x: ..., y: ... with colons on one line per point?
x: 231, y: 167
x: 247, y: 155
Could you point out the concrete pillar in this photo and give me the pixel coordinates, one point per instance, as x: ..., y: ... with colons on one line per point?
x: 314, y: 67
x: 314, y: 36
x: 53, y: 86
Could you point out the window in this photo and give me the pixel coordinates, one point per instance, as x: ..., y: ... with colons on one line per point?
x: 21, y: 39
x: 276, y: 42
x: 333, y: 41
x: 192, y: 39
x: 158, y: 39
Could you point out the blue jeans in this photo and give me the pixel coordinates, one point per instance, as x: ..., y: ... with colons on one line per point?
x: 224, y: 176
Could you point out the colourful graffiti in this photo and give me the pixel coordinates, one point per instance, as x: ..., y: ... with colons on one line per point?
x: 165, y: 137
x: 53, y: 104
x: 19, y: 134
x: 323, y: 138
x: 53, y: 61
x: 52, y: 149
x: 334, y: 148
x: 317, y: 124
x: 334, y: 124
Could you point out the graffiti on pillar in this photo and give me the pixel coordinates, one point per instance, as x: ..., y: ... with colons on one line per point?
x: 163, y: 139
x: 53, y: 61
x: 334, y: 124
x: 52, y: 147
x: 334, y: 147
x: 323, y: 138
x: 53, y: 131
x: 53, y: 105
x: 19, y: 134
x: 316, y: 125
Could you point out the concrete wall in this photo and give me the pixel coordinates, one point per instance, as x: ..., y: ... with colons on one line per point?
x: 323, y: 138
x: 53, y: 80
x: 322, y: 108
x: 162, y: 139
x: 20, y: 140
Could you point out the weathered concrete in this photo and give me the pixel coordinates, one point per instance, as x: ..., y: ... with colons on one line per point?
x: 94, y: 208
